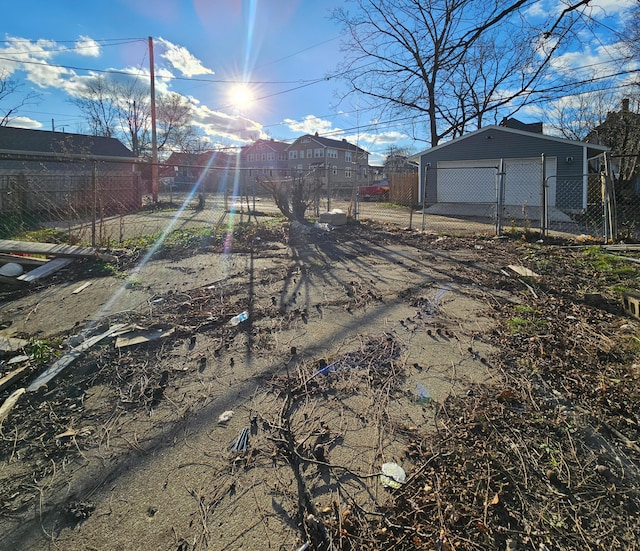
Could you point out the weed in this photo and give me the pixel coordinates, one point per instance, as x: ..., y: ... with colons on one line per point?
x: 519, y: 325
x: 42, y: 351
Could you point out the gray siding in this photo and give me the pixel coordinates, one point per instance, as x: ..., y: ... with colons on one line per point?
x: 499, y: 143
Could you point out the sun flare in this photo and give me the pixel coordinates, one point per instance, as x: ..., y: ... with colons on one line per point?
x: 241, y: 96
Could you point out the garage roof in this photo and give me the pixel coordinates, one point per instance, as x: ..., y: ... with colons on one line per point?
x: 593, y: 150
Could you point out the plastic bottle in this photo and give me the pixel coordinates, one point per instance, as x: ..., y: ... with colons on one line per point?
x: 242, y: 316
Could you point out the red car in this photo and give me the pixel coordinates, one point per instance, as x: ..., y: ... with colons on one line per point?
x: 376, y: 192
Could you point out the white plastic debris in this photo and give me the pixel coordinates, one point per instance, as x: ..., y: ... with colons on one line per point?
x: 225, y: 416
x: 11, y: 269
x: 393, y: 475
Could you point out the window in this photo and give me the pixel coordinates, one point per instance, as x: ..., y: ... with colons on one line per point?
x: 302, y: 154
x: 334, y: 170
x: 306, y: 139
x: 264, y: 156
x: 293, y: 154
x: 347, y: 172
x: 319, y: 152
x: 309, y: 153
x: 347, y: 156
x: 271, y: 156
x: 333, y: 153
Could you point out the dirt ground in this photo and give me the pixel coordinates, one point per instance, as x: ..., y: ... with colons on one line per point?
x: 510, y: 403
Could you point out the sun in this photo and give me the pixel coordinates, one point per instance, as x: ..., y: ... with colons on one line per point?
x: 241, y: 96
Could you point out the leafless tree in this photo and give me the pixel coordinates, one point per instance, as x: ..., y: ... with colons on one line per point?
x: 134, y: 113
x: 122, y: 109
x: 11, y: 100
x: 293, y: 195
x: 448, y: 63
x: 174, y: 124
x: 575, y: 116
x: 98, y: 106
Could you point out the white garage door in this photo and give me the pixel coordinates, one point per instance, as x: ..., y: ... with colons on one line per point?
x: 475, y: 181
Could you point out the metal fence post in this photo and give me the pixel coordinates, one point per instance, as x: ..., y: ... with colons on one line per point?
x: 94, y: 189
x: 424, y: 195
x: 543, y: 199
x: 608, y: 201
x: 499, y: 197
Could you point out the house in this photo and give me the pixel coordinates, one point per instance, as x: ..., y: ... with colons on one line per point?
x: 621, y: 132
x: 462, y: 175
x: 338, y: 166
x: 209, y: 171
x: 263, y: 158
x: 58, y: 172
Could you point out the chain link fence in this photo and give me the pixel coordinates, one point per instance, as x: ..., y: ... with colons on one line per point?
x: 512, y: 196
x: 107, y: 204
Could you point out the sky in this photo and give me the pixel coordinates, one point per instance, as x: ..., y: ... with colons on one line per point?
x: 285, y: 50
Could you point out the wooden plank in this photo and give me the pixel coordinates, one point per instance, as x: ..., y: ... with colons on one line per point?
x: 139, y: 336
x: 13, y: 376
x: 524, y: 272
x: 45, y: 270
x: 9, y: 403
x: 81, y: 288
x: 65, y: 361
x: 52, y: 249
x: 19, y: 259
x: 10, y: 344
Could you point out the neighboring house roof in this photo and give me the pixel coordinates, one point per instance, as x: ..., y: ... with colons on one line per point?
x: 25, y: 141
x: 617, y: 128
x: 328, y: 142
x: 593, y: 149
x: 206, y: 158
x: 535, y: 127
x: 269, y: 144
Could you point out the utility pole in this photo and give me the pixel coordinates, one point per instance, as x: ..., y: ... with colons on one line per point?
x: 154, y: 139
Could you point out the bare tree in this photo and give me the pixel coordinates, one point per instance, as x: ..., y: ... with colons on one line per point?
x: 175, y: 124
x: 11, y: 101
x: 98, y: 107
x: 134, y: 113
x: 448, y: 63
x: 575, y: 116
x: 292, y: 195
x: 123, y: 110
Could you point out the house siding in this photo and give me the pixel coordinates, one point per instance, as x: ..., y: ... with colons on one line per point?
x: 496, y: 143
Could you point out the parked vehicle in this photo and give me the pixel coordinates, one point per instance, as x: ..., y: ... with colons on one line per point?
x: 375, y: 192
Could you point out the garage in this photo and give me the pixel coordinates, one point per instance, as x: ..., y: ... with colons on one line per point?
x: 476, y: 181
x: 463, y: 171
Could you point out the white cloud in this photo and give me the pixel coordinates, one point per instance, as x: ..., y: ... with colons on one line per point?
x: 87, y: 47
x: 22, y: 53
x: 595, y: 8
x: 382, y: 138
x: 25, y: 122
x: 221, y: 125
x: 181, y: 59
x: 312, y: 124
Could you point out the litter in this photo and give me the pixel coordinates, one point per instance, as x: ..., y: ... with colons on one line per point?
x: 240, y: 443
x: 138, y: 335
x: 323, y: 226
x: 242, y: 316
x: 429, y: 307
x: 423, y: 394
x: 225, y: 416
x: 12, y: 269
x: 393, y: 475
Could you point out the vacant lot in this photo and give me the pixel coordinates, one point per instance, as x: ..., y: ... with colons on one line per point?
x: 510, y: 402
